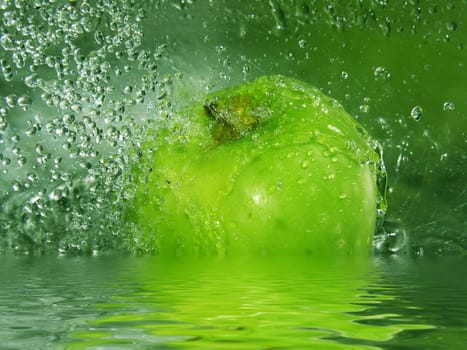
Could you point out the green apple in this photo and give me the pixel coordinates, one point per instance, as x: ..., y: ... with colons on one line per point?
x: 270, y: 166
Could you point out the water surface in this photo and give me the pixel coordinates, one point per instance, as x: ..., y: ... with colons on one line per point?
x: 122, y: 302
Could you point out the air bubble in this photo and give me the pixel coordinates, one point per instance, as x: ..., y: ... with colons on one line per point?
x: 303, y: 44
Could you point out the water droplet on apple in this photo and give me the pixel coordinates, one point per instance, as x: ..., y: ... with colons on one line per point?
x: 301, y: 180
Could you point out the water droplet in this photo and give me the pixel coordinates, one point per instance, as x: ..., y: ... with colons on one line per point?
x: 301, y: 180
x: 364, y: 108
x: 344, y: 75
x: 416, y: 113
x: 15, y: 138
x: 6, y: 161
x: 98, y: 37
x: 395, y: 236
x: 8, y: 42
x: 448, y: 106
x: 128, y: 89
x: 31, y: 80
x: 11, y: 100
x: 21, y: 161
x: 31, y: 131
x: 303, y: 44
x: 24, y: 101
x: 16, y: 186
x: 381, y: 73
x: 18, y: 59
x: 451, y: 26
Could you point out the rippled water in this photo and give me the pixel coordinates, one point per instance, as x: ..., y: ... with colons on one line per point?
x: 277, y: 303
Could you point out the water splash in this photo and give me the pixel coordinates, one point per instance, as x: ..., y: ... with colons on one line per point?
x: 77, y: 74
x: 79, y: 81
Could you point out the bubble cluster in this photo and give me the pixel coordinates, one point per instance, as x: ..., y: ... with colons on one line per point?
x: 78, y: 76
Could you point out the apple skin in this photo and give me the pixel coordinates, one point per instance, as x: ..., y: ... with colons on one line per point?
x: 270, y: 166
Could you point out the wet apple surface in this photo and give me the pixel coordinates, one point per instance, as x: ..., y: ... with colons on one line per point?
x: 270, y: 166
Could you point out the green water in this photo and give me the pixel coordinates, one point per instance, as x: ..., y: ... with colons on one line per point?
x: 150, y: 303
